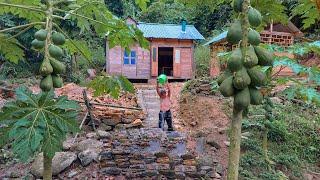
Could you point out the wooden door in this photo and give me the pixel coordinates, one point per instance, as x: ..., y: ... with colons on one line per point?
x: 154, y: 61
x: 177, y: 62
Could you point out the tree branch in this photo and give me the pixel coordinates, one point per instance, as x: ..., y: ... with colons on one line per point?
x: 23, y: 7
x: 21, y: 32
x: 20, y: 27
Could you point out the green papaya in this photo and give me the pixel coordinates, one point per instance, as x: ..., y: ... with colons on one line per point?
x: 226, y: 88
x: 241, y: 79
x: 46, y: 83
x: 55, y: 51
x: 254, y: 37
x: 45, y: 68
x: 251, y: 58
x: 58, y: 67
x: 256, y: 97
x: 58, y: 38
x: 237, y: 5
x: 57, y: 81
x: 235, y: 60
x: 41, y: 35
x: 37, y: 44
x: 265, y: 57
x: 254, y: 16
x: 223, y: 76
x: 258, y: 78
x: 234, y: 34
x: 242, y: 99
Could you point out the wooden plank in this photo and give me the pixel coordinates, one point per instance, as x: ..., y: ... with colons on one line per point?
x: 154, y: 61
x: 176, y: 62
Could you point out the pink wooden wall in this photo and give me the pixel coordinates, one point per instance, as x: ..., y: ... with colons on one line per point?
x: 146, y: 68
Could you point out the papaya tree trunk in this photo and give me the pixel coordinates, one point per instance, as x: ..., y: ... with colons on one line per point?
x: 235, y: 134
x: 234, y: 148
x: 265, y: 146
x: 47, y: 167
x: 47, y: 161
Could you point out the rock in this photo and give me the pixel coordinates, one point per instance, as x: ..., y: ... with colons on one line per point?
x: 276, y: 100
x: 112, y: 122
x: 104, y: 127
x: 193, y: 123
x: 111, y: 171
x: 88, y: 144
x: 213, y: 143
x: 88, y: 156
x: 136, y: 123
x: 217, y: 175
x: 222, y: 130
x: 308, y: 176
x: 60, y: 162
x: 92, y: 135
x: 187, y: 156
x: 72, y: 173
x: 227, y: 143
x: 104, y: 134
x: 219, y: 169
x: 92, y: 73
x: 121, y: 126
x: 127, y: 120
x: 68, y: 144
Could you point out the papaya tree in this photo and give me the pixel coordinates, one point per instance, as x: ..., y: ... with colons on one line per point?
x: 244, y: 76
x: 40, y: 123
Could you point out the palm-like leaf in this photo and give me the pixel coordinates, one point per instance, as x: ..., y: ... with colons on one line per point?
x: 37, y: 122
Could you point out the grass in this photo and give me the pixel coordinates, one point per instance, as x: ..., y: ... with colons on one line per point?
x: 294, y: 143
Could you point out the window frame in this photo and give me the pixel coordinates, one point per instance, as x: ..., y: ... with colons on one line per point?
x: 128, y: 59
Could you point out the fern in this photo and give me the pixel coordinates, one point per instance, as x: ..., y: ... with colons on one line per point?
x: 37, y: 122
x: 11, y: 49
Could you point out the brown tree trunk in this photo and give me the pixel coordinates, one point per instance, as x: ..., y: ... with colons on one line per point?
x: 235, y: 135
x: 47, y: 167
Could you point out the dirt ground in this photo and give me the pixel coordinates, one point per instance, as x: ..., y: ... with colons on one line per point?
x: 201, y: 116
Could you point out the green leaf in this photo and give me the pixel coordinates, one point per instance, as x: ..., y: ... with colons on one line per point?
x: 11, y: 49
x: 142, y: 4
x: 38, y: 122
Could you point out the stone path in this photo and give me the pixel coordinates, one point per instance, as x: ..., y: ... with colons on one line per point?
x: 149, y: 101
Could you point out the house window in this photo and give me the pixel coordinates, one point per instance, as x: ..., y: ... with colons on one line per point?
x: 129, y: 58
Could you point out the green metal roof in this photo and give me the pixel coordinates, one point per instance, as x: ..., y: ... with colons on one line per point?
x: 218, y: 38
x: 169, y: 31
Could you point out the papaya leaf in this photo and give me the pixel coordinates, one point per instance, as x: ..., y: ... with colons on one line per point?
x: 111, y: 85
x: 142, y: 4
x: 37, y: 122
x: 11, y: 49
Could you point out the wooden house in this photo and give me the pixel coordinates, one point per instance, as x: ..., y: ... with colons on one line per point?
x: 170, y: 52
x: 275, y: 33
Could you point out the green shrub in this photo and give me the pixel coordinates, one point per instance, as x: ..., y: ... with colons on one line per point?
x: 202, y: 58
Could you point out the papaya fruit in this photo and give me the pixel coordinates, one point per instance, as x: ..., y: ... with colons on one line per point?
x: 58, y: 67
x: 258, y: 78
x: 55, y: 51
x: 254, y: 37
x: 251, y: 58
x: 58, y: 38
x: 256, y: 97
x: 223, y: 76
x: 241, y: 79
x: 265, y: 57
x: 46, y: 83
x: 254, y: 16
x: 57, y: 81
x: 37, y: 44
x: 242, y: 99
x: 235, y: 60
x: 234, y: 34
x: 237, y: 5
x: 45, y: 68
x: 41, y: 35
x: 226, y: 88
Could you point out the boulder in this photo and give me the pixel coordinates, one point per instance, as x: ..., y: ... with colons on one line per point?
x: 60, y: 162
x: 112, y: 122
x: 104, y: 134
x: 213, y: 143
x: 88, y: 144
x: 136, y: 123
x: 88, y: 156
